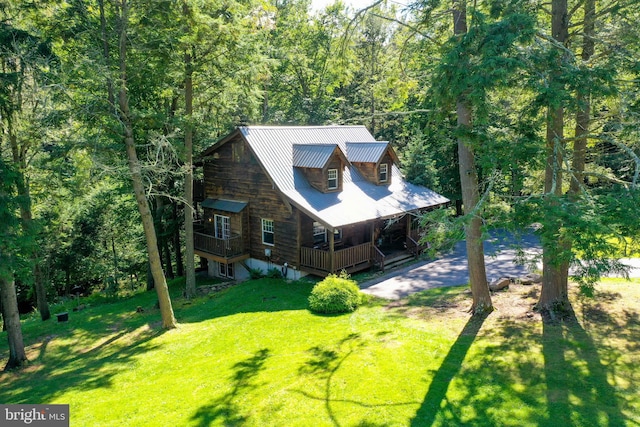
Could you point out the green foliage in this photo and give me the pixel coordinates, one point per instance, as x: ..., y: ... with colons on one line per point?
x: 15, y: 242
x: 484, y: 58
x: 256, y: 273
x: 274, y: 273
x: 335, y: 294
x: 443, y: 230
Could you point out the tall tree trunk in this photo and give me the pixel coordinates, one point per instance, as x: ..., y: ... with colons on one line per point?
x: 470, y: 194
x: 176, y: 241
x: 168, y: 261
x: 4, y: 324
x: 19, y: 159
x: 554, y: 299
x: 164, y: 300
x: 163, y: 238
x: 105, y: 52
x: 115, y: 262
x: 583, y: 116
x: 11, y: 316
x: 190, y: 286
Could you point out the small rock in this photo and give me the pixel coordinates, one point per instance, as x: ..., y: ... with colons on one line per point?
x: 530, y: 279
x: 500, y: 283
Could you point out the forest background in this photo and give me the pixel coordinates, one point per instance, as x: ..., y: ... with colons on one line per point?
x: 530, y: 107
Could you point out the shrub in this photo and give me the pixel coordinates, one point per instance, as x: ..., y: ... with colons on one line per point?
x: 335, y: 294
x: 274, y: 273
x: 256, y: 273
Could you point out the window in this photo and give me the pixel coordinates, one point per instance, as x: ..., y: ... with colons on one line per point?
x: 222, y: 227
x: 319, y: 233
x: 383, y: 176
x: 225, y: 270
x: 267, y: 232
x: 332, y: 179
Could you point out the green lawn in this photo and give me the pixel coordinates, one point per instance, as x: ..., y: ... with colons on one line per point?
x: 254, y: 355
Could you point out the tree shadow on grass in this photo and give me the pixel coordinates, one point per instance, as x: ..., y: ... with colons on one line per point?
x: 520, y: 375
x: 54, y: 373
x: 225, y: 409
x: 323, y: 365
x: 578, y: 391
x: 436, y: 397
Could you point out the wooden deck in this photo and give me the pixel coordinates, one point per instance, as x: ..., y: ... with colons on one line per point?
x: 222, y: 250
x: 351, y: 259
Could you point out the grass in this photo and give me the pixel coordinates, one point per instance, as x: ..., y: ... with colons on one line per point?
x: 253, y: 355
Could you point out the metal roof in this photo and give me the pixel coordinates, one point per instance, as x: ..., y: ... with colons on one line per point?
x: 359, y: 200
x: 232, y: 206
x: 312, y: 155
x: 366, y: 152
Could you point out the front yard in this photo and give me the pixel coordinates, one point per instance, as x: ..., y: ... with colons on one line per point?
x: 253, y: 355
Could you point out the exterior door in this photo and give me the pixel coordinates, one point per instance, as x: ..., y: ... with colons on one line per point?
x: 222, y: 227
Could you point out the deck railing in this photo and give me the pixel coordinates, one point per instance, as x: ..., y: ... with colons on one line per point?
x: 414, y: 245
x: 226, y: 248
x: 343, y: 259
x: 378, y: 257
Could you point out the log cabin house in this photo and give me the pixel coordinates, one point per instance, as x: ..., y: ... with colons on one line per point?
x: 306, y: 200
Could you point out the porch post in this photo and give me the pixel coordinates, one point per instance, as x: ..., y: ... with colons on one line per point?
x: 332, y: 252
x: 373, y: 232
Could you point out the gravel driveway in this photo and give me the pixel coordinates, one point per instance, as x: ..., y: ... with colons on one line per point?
x: 451, y: 269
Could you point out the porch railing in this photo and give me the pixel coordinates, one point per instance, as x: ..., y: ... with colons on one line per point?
x: 226, y: 248
x: 412, y: 246
x: 343, y: 259
x: 413, y: 243
x: 378, y: 257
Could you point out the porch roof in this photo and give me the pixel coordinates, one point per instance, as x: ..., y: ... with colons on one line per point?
x: 232, y: 206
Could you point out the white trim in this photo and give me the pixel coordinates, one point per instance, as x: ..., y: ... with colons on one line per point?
x: 385, y: 172
x: 264, y: 230
x: 329, y: 179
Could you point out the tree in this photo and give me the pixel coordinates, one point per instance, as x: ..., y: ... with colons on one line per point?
x: 576, y: 199
x: 310, y: 64
x: 190, y: 286
x: 166, y: 309
x: 24, y: 61
x: 554, y: 296
x: 476, y: 64
x: 469, y: 184
x: 10, y: 242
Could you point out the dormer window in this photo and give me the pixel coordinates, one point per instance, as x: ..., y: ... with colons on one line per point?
x: 383, y: 172
x: 332, y: 179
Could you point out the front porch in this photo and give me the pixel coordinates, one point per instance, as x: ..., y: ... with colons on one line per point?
x: 352, y: 259
x: 381, y: 252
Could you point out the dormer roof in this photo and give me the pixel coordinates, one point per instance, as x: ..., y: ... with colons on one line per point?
x: 369, y: 152
x: 315, y: 156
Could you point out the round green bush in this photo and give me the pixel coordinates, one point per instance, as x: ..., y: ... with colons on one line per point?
x: 335, y: 295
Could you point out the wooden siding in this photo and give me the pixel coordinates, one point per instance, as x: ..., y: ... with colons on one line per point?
x: 319, y: 178
x: 232, y: 172
x: 370, y: 170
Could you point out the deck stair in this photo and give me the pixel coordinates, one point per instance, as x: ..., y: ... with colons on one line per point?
x: 397, y: 260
